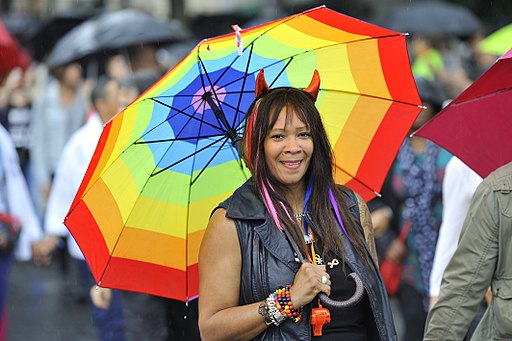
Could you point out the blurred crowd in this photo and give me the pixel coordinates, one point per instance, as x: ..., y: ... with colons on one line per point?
x: 52, y: 112
x: 52, y: 117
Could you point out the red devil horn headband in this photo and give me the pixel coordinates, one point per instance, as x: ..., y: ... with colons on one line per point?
x: 314, y: 86
x: 262, y: 86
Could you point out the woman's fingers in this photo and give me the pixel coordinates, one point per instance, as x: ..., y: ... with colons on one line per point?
x: 310, y: 280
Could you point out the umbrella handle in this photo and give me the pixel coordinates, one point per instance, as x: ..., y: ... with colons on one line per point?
x: 356, y: 297
x: 324, y: 299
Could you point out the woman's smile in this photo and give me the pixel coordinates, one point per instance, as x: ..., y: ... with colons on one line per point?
x: 291, y: 164
x: 288, y: 149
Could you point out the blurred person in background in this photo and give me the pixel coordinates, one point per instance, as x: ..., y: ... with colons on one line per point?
x: 412, y: 196
x: 20, y: 231
x: 15, y: 114
x: 116, y: 67
x: 75, y: 158
x: 482, y: 259
x: 427, y: 61
x: 56, y: 114
x: 149, y: 317
x: 144, y: 58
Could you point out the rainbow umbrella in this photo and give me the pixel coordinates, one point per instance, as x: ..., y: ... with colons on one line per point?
x: 164, y: 162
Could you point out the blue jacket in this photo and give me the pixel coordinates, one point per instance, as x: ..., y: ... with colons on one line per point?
x: 268, y: 263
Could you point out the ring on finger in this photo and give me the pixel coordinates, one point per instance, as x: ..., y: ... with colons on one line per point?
x: 324, y: 279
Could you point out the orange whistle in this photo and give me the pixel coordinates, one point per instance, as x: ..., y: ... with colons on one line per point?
x: 319, y: 317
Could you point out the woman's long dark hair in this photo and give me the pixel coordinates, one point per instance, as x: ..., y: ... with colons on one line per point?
x: 264, y: 114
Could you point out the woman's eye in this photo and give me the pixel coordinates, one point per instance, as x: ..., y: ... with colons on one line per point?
x: 305, y: 134
x: 277, y: 137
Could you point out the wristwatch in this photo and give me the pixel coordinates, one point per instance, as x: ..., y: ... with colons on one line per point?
x: 263, y: 311
x: 275, y: 315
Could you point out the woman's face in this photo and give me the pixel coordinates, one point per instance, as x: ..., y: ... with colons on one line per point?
x: 288, y: 149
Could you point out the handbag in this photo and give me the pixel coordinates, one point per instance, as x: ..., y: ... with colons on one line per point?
x: 390, y: 270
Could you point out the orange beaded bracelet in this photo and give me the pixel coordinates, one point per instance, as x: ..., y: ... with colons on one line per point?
x: 284, y: 304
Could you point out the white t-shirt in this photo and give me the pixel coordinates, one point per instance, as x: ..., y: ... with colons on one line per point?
x: 17, y: 197
x: 459, y: 185
x: 69, y: 173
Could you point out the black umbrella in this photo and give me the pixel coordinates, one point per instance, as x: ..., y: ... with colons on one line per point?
x: 132, y: 27
x: 112, y: 31
x: 75, y: 45
x: 42, y: 40
x: 432, y: 17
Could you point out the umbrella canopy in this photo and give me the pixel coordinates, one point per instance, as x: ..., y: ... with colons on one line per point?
x: 498, y: 42
x: 75, y: 45
x: 112, y: 31
x: 475, y: 126
x: 432, y: 17
x: 168, y: 159
x: 130, y: 27
x: 42, y: 40
x: 11, y: 54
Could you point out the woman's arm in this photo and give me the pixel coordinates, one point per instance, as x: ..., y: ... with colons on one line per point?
x: 220, y: 265
x: 220, y: 316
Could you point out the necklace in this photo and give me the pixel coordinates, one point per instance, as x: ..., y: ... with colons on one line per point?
x: 298, y: 216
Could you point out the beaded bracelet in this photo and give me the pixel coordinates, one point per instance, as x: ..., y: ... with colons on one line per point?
x: 283, y: 303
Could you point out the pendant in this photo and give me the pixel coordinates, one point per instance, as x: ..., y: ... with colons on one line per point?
x: 318, y: 259
x: 333, y: 263
x: 308, y: 239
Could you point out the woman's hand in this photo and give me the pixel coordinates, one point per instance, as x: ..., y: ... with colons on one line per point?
x: 380, y: 220
x: 100, y: 297
x: 308, y: 283
x: 396, y: 251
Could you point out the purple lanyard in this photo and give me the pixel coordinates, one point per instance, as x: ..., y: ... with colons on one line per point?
x: 334, y: 205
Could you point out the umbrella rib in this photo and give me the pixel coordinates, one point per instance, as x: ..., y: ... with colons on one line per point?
x: 209, y: 161
x: 372, y: 96
x: 237, y: 110
x: 479, y: 98
x: 219, y: 92
x: 188, y: 156
x: 211, y: 87
x: 356, y: 179
x: 178, y: 111
x: 178, y: 139
x: 282, y: 70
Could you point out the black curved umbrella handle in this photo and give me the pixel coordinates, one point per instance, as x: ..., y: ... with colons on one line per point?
x: 349, y: 302
x: 324, y: 299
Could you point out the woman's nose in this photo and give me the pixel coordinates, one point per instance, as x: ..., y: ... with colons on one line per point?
x: 292, y: 145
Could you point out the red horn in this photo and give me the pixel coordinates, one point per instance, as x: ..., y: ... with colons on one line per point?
x: 261, y: 85
x: 314, y: 86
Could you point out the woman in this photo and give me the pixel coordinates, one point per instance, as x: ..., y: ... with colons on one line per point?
x: 246, y: 261
x: 56, y: 115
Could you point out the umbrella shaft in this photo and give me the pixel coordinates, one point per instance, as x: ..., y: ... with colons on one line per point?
x: 230, y: 132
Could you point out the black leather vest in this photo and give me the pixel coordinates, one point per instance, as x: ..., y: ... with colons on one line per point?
x: 268, y: 263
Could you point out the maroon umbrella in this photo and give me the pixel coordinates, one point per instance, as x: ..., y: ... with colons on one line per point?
x: 11, y: 54
x: 477, y: 125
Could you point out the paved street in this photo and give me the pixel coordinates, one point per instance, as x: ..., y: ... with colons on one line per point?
x: 45, y: 306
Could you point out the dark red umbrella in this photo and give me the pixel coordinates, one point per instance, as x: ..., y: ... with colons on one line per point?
x: 11, y: 54
x: 477, y: 125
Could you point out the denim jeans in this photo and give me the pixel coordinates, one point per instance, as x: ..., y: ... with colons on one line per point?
x: 109, y: 322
